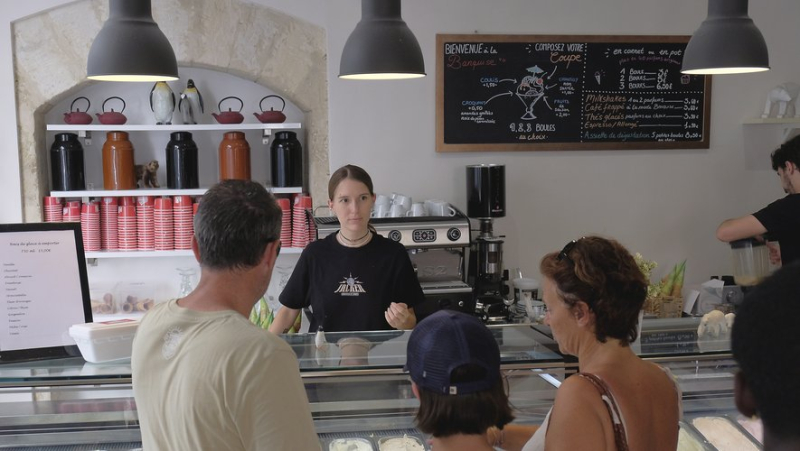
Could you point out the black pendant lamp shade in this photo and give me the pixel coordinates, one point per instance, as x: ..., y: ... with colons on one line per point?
x: 131, y: 47
x: 727, y: 42
x: 381, y: 47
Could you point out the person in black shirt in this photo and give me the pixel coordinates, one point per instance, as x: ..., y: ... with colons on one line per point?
x: 355, y: 279
x: 780, y: 219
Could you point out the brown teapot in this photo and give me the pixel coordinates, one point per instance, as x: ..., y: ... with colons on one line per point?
x: 78, y: 117
x: 229, y: 117
x: 112, y: 117
x: 271, y: 116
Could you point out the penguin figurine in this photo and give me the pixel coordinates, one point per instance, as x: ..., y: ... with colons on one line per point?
x: 162, y: 102
x: 194, y: 101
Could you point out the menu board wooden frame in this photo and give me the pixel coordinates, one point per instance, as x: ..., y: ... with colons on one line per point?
x: 574, y: 142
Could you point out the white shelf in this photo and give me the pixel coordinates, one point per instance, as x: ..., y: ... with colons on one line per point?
x: 176, y: 253
x: 170, y: 128
x: 157, y: 192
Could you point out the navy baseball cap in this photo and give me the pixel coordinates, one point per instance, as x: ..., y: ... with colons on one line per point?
x: 445, y: 341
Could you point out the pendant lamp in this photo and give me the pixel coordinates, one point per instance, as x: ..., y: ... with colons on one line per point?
x: 131, y: 47
x: 381, y: 47
x: 727, y: 42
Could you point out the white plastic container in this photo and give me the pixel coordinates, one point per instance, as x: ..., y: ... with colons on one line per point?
x: 105, y: 341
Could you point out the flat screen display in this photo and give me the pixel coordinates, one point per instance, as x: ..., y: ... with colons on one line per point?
x: 43, y: 290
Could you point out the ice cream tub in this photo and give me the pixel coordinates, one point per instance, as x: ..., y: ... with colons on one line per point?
x: 689, y: 439
x: 105, y: 341
x: 725, y: 434
x: 401, y: 443
x: 350, y: 444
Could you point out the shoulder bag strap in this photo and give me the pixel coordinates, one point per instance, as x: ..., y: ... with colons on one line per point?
x: 611, y: 405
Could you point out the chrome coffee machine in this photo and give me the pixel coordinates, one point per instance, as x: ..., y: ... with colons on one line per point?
x: 486, y: 200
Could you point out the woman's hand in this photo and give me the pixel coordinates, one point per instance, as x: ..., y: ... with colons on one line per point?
x: 399, y: 316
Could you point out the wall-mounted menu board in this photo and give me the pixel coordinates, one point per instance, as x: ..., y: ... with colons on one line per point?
x: 528, y: 92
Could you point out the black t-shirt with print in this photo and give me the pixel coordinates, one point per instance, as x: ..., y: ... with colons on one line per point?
x: 349, y: 289
x: 782, y: 221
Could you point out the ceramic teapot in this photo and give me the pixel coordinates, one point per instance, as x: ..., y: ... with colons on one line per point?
x: 271, y: 116
x: 76, y: 116
x: 112, y: 117
x: 229, y: 117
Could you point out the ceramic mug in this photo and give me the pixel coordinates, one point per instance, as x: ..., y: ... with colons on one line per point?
x: 402, y: 199
x: 380, y: 211
x: 382, y: 199
x: 397, y: 211
x: 417, y: 209
x: 440, y: 208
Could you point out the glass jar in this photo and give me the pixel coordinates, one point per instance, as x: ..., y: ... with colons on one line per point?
x: 234, y: 157
x: 118, y: 166
x: 182, y: 168
x: 66, y: 163
x: 286, y: 160
x: 750, y: 261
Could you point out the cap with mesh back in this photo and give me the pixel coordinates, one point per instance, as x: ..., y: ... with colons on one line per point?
x: 445, y: 341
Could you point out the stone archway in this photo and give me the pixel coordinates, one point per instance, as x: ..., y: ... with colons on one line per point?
x: 247, y: 40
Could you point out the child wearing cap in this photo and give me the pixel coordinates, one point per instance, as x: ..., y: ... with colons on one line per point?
x: 454, y: 364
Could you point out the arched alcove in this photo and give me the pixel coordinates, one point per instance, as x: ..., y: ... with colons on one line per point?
x: 247, y: 40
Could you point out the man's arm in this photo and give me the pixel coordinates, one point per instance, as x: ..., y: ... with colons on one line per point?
x: 738, y: 228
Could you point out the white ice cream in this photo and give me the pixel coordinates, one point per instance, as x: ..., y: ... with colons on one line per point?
x: 688, y: 443
x: 350, y: 444
x: 723, y: 434
x: 401, y: 444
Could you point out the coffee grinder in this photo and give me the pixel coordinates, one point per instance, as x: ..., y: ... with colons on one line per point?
x: 486, y: 200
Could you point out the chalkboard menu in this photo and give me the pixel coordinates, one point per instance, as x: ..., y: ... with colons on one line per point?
x: 526, y: 92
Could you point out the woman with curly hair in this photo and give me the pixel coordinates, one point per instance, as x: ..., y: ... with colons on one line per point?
x: 593, y: 292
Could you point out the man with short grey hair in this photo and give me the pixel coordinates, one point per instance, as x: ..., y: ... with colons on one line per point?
x: 204, y: 377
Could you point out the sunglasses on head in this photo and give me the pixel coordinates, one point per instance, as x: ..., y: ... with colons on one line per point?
x: 564, y: 254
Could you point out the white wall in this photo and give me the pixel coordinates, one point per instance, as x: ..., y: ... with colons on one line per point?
x: 664, y: 204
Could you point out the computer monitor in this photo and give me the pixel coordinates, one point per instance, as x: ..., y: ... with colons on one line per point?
x: 43, y: 290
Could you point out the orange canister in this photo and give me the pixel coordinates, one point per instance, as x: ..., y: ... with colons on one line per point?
x: 118, y: 169
x: 234, y: 157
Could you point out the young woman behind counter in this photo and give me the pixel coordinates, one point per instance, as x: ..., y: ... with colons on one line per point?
x: 355, y: 279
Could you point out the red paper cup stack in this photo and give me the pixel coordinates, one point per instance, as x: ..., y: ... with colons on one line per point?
x: 126, y: 224
x: 108, y: 223
x: 300, y: 221
x: 183, y: 211
x: 53, y: 209
x: 72, y: 211
x: 145, y: 235
x: 162, y: 224
x: 286, y: 222
x: 90, y: 226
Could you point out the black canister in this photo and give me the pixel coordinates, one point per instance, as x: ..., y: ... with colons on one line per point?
x: 286, y: 158
x: 182, y: 171
x: 66, y: 163
x: 486, y: 191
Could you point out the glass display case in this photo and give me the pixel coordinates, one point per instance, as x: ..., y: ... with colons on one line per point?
x: 355, y: 384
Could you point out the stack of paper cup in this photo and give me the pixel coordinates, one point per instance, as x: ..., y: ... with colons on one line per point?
x: 108, y: 223
x: 53, y: 209
x: 90, y: 226
x: 145, y: 235
x: 286, y: 222
x: 182, y: 211
x: 300, y: 220
x: 126, y: 224
x: 72, y: 211
x: 162, y: 224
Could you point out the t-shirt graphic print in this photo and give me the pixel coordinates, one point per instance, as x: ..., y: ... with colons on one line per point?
x: 350, y: 286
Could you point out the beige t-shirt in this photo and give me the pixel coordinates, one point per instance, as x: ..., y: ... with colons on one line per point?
x: 213, y: 381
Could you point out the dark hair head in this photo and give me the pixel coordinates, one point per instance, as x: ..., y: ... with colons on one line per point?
x: 442, y: 415
x: 604, y: 275
x: 788, y: 151
x: 235, y: 221
x: 765, y: 344
x: 349, y: 171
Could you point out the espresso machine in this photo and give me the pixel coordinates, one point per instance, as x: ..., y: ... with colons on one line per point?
x: 486, y: 200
